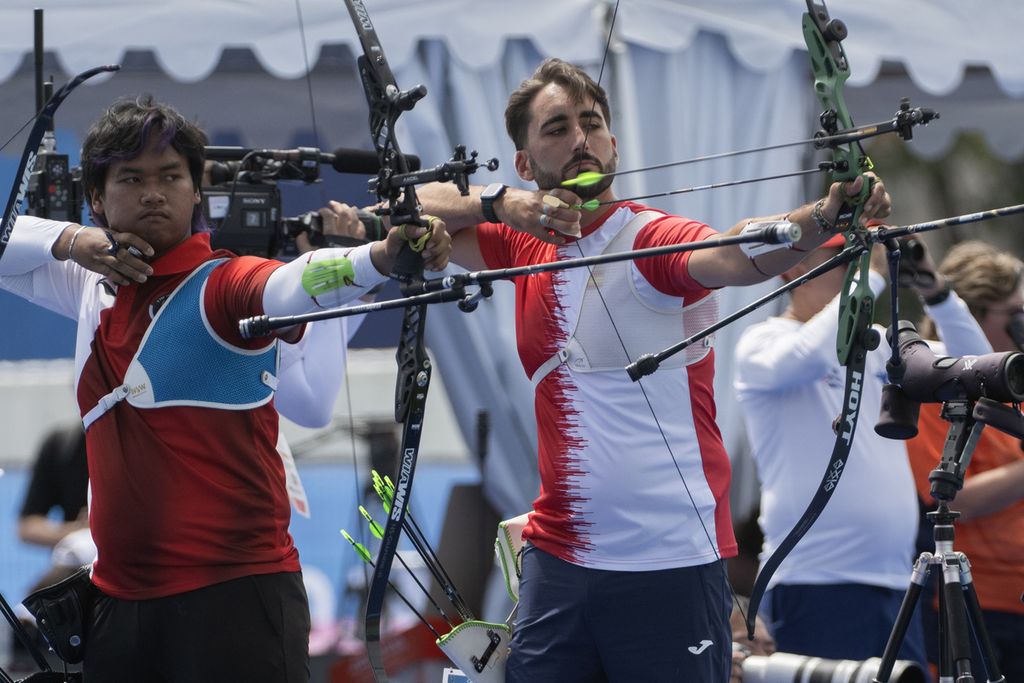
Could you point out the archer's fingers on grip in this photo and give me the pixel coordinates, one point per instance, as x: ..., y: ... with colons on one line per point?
x: 417, y: 242
x: 879, y: 203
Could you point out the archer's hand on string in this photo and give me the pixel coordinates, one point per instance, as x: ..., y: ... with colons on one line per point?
x: 548, y: 215
x: 118, y: 256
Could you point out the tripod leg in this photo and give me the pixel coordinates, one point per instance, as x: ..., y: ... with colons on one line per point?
x: 899, y: 628
x: 22, y: 634
x: 956, y: 618
x: 978, y: 621
x: 945, y: 657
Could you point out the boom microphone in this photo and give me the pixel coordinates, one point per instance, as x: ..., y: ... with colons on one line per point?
x: 342, y: 160
x: 364, y: 163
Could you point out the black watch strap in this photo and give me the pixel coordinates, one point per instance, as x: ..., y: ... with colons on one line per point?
x: 938, y: 297
x: 491, y: 194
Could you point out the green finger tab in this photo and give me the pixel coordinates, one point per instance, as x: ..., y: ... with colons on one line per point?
x: 320, y: 277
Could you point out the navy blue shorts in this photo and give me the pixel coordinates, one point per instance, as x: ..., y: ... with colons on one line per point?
x: 579, y: 624
x: 840, y: 621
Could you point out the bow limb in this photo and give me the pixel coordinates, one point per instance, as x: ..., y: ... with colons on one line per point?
x: 28, y: 158
x: 824, y: 36
x: 385, y: 103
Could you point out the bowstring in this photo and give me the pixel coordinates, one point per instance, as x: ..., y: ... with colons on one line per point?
x: 618, y: 335
x: 342, y: 328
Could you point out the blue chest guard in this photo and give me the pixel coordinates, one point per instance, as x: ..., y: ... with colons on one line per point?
x: 181, y: 360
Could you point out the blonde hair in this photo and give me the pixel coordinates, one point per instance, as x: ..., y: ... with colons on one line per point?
x: 981, y: 275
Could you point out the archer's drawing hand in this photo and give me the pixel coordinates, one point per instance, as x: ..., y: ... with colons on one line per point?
x: 546, y: 214
x: 118, y: 256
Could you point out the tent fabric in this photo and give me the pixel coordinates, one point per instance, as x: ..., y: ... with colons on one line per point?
x: 935, y: 39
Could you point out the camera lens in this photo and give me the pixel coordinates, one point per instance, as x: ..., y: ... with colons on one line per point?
x: 1015, y: 375
x: 783, y: 667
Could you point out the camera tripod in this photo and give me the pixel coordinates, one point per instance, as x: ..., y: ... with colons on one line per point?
x: 959, y: 610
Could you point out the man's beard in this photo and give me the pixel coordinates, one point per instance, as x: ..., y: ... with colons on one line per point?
x: 547, y: 180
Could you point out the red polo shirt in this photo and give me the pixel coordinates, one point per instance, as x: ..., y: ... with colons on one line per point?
x: 182, y: 497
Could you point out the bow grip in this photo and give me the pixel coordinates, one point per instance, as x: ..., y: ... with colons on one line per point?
x: 409, y: 262
x: 852, y: 207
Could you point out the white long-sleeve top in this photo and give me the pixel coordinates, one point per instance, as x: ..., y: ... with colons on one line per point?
x: 790, y: 385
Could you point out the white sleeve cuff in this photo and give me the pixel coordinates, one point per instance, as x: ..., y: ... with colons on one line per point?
x: 367, y: 274
x: 959, y: 331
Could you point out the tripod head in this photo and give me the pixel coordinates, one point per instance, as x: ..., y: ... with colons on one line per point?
x: 967, y: 418
x: 963, y: 434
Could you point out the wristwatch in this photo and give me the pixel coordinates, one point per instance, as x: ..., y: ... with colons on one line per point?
x: 491, y: 194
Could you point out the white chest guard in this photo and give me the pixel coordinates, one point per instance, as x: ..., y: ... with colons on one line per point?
x: 622, y: 310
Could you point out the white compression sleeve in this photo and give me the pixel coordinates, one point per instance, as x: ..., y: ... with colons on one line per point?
x: 287, y: 292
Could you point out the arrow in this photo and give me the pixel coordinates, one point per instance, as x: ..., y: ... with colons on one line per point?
x: 364, y: 554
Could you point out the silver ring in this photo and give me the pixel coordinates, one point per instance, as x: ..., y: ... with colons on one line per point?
x: 544, y: 220
x: 114, y: 246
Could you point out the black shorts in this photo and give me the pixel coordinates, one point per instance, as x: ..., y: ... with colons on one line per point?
x: 576, y: 624
x: 253, y: 629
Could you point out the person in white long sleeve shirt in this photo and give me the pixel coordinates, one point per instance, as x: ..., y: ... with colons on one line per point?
x: 837, y: 593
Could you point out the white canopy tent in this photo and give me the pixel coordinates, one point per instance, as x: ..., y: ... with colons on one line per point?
x: 686, y: 78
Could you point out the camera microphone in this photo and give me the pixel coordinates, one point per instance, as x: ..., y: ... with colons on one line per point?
x: 362, y: 162
x: 342, y: 160
x: 301, y: 154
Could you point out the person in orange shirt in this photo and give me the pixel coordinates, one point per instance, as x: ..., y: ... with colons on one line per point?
x: 990, y: 530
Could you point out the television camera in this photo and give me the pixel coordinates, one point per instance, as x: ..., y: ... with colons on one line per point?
x: 242, y: 199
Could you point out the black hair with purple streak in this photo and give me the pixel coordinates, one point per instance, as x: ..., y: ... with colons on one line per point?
x: 124, y: 130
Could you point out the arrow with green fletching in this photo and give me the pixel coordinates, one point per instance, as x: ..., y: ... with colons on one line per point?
x: 359, y: 548
x: 376, y: 529
x: 364, y: 554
